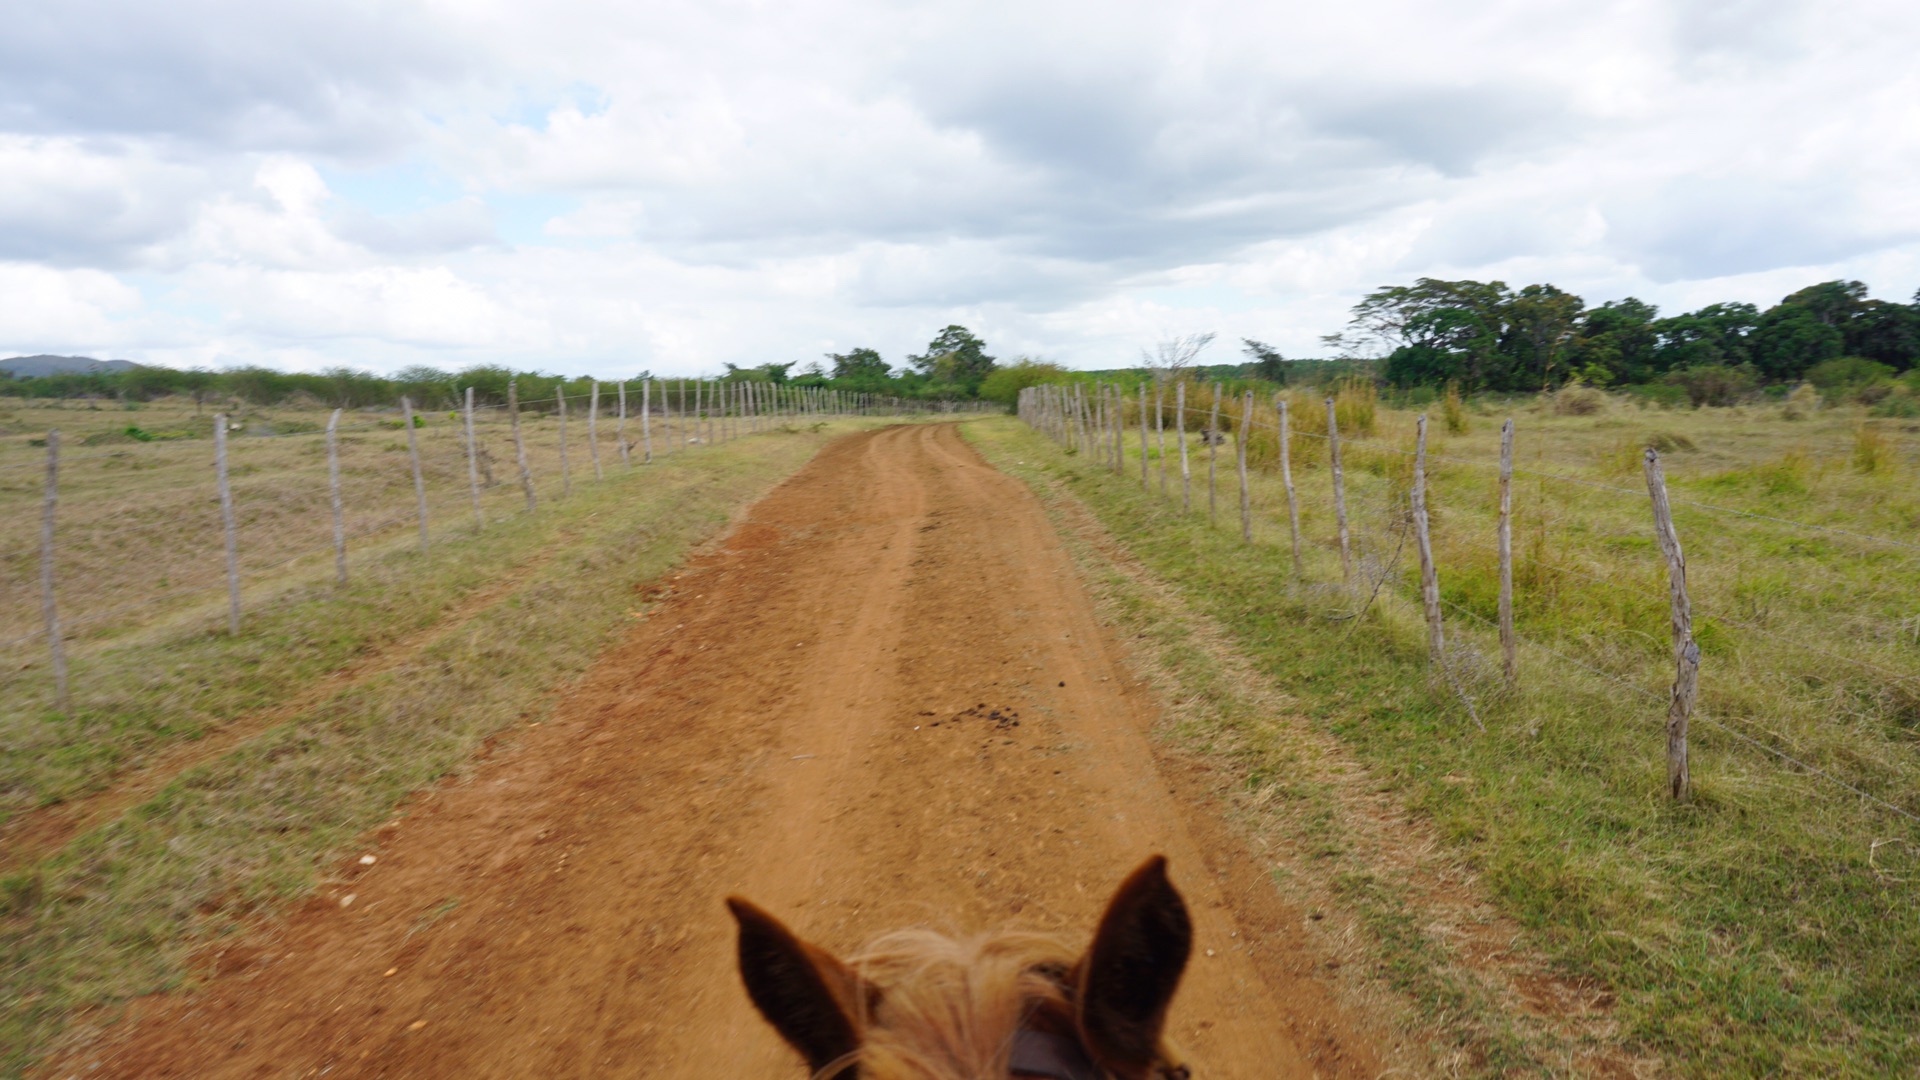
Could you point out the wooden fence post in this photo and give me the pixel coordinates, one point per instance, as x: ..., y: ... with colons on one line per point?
x: 1160, y: 430
x: 519, y: 443
x: 566, y: 475
x: 1144, y: 485
x: 1686, y: 652
x: 620, y: 426
x: 1339, y: 492
x: 1509, y: 653
x: 56, y: 647
x: 1429, y: 576
x: 1213, y: 454
x: 419, y: 482
x: 1246, y: 499
x: 593, y: 436
x: 1286, y: 477
x: 646, y: 419
x: 1180, y: 429
x: 473, y: 467
x: 333, y: 490
x: 226, y: 520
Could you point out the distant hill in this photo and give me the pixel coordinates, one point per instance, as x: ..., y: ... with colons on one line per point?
x: 27, y: 367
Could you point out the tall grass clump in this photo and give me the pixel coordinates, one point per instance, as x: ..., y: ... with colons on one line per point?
x: 1454, y: 411
x: 1872, y: 450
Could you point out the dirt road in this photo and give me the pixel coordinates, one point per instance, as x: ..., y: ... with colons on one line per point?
x: 882, y: 700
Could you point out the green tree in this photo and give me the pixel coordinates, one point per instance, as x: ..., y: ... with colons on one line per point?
x: 1006, y: 382
x: 1792, y: 338
x: 1267, y: 363
x: 864, y: 365
x: 1541, y: 320
x: 955, y: 357
x: 1614, y: 343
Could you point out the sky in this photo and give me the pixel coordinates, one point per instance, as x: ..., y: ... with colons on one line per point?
x: 611, y: 188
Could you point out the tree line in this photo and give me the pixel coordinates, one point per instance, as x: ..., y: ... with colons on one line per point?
x: 1485, y: 336
x: 955, y: 366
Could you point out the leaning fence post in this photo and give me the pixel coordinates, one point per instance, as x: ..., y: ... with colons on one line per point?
x: 646, y: 419
x: 473, y: 466
x: 593, y: 438
x: 226, y: 519
x: 1429, y: 576
x: 1246, y: 500
x: 519, y: 443
x: 566, y: 476
x: 419, y: 483
x: 1286, y: 477
x: 56, y: 647
x: 1213, y: 455
x: 1686, y: 652
x: 333, y: 492
x: 1339, y: 492
x: 1508, y: 652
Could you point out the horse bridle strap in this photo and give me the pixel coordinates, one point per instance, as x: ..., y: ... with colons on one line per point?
x: 1035, y: 1053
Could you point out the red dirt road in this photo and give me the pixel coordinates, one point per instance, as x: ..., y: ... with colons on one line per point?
x: 805, y: 718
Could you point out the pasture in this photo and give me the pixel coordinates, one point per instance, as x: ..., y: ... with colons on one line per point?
x: 1765, y: 926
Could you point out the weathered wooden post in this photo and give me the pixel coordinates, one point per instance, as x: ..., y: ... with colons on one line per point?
x: 1144, y: 485
x: 620, y: 425
x: 49, y: 609
x: 473, y: 467
x: 519, y: 443
x: 333, y: 490
x: 1179, y: 429
x: 1286, y: 477
x: 1509, y: 653
x: 593, y: 437
x: 1429, y: 575
x: 413, y: 454
x: 226, y: 520
x: 646, y: 420
x: 1213, y: 454
x: 1339, y: 492
x: 1246, y: 499
x: 1686, y: 652
x: 1160, y: 430
x: 566, y: 475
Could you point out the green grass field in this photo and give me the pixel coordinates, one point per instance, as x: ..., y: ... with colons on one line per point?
x: 1769, y: 925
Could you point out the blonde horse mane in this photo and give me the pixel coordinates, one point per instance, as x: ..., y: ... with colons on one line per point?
x: 949, y: 1009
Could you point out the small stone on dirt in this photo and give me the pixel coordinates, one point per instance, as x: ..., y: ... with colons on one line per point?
x: 416, y: 1025
x: 366, y: 860
x: 347, y: 900
x: 391, y: 972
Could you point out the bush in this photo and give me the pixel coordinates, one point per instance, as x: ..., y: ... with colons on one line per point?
x: 1801, y: 403
x: 1713, y: 384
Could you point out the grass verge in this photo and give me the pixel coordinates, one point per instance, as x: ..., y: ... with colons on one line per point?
x: 119, y: 912
x: 1757, y: 931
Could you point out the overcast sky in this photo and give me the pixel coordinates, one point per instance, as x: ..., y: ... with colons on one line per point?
x: 603, y: 188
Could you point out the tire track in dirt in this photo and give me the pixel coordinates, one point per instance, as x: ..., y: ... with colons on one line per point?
x: 35, y: 834
x: 882, y: 700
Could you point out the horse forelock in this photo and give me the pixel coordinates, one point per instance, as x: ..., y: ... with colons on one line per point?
x: 947, y: 1009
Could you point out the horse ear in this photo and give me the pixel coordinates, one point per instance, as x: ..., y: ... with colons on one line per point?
x: 1127, y: 978
x: 805, y: 992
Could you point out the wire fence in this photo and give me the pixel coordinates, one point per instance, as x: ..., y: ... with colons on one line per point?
x: 146, y: 533
x: 1632, y: 615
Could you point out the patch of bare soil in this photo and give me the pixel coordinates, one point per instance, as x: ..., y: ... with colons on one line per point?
x: 884, y: 700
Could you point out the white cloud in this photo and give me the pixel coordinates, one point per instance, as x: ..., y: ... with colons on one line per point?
x: 742, y: 182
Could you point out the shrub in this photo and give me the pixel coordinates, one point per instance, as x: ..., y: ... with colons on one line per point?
x: 1801, y: 403
x: 1713, y: 384
x: 1872, y: 451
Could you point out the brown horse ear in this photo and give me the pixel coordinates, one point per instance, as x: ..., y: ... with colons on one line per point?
x: 1127, y: 978
x: 806, y: 993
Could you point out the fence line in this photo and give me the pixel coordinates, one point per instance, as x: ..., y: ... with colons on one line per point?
x: 726, y: 412
x: 1040, y: 407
